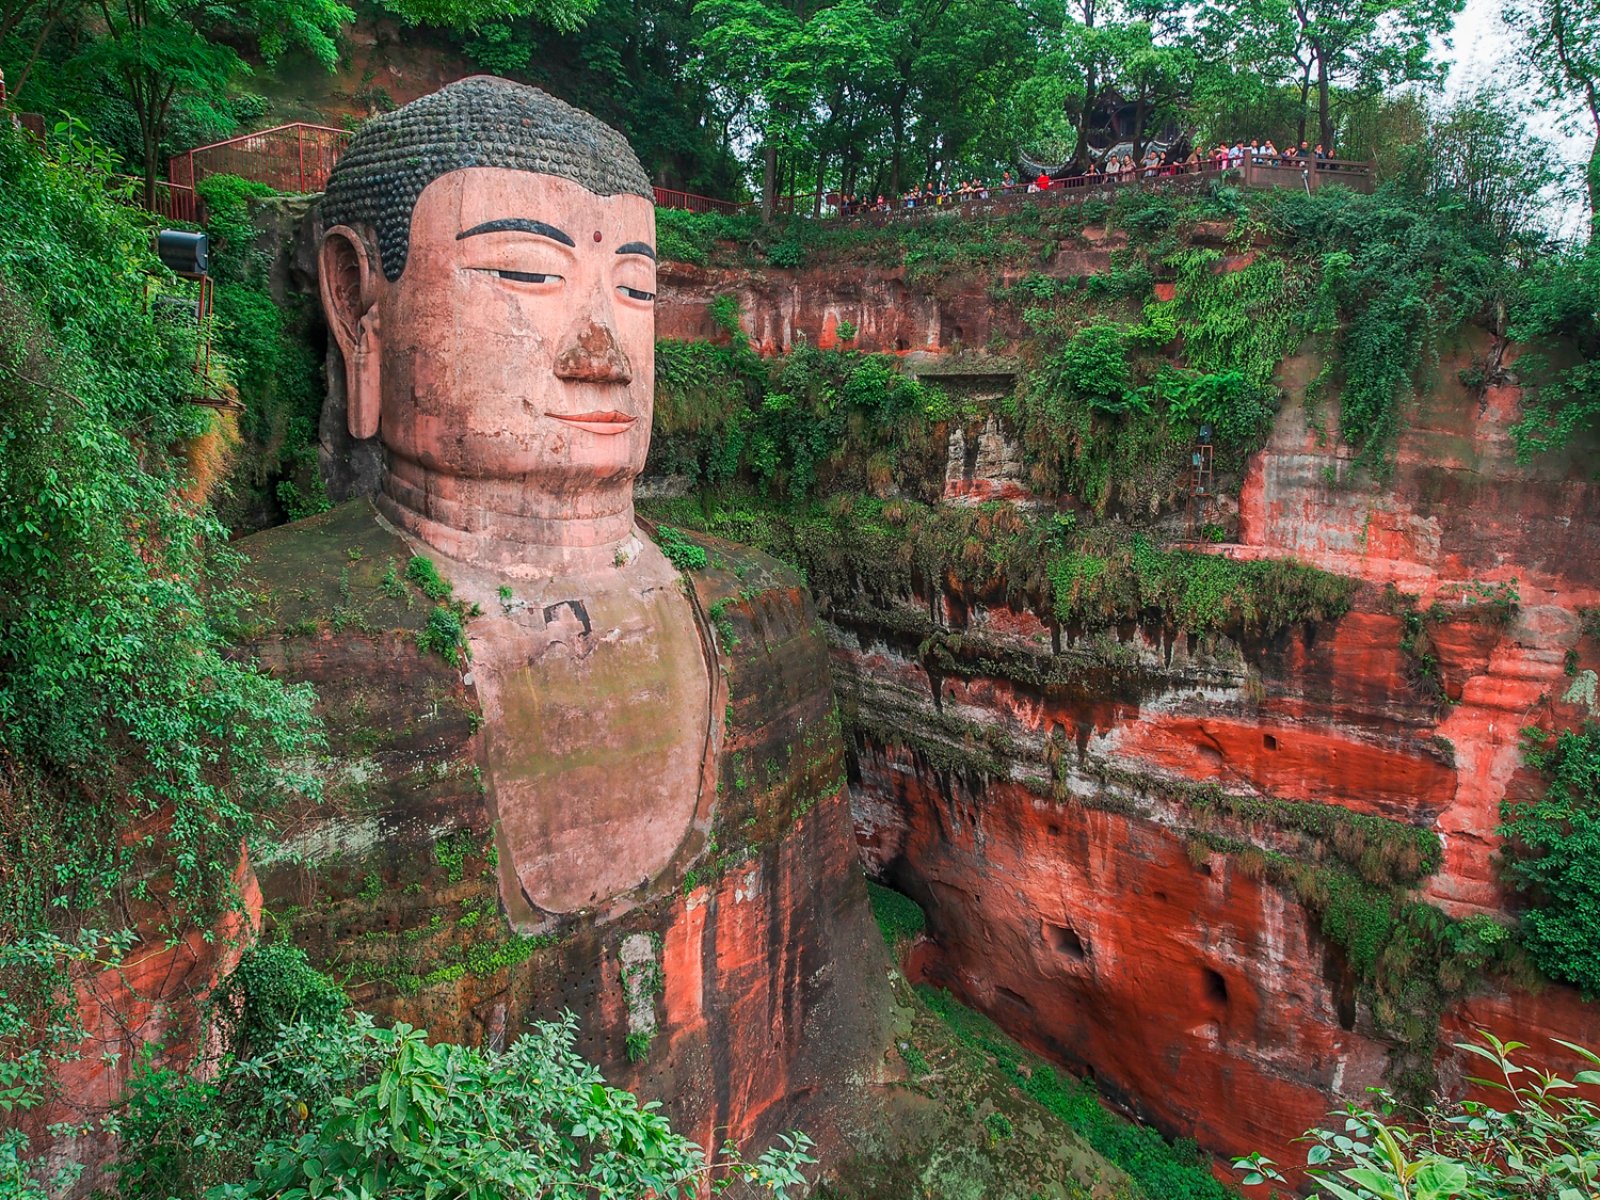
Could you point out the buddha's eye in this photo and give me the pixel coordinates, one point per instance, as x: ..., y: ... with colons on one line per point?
x: 527, y: 276
x: 636, y: 294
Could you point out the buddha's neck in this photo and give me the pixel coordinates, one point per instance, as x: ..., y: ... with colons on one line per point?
x: 505, y: 525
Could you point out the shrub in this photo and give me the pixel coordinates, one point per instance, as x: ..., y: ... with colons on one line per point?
x: 344, y: 1108
x: 680, y: 551
x: 1092, y: 368
x: 1553, y: 856
x: 443, y: 633
x: 899, y: 917
x: 1535, y: 1137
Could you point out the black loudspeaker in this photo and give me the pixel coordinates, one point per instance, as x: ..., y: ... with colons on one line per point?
x: 182, y: 253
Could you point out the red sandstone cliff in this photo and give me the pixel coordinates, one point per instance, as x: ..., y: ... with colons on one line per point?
x: 1089, y: 923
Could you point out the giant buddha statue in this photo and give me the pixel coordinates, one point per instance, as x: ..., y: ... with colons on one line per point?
x: 562, y: 773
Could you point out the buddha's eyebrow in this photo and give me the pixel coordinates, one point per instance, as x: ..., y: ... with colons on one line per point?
x: 637, y: 248
x: 518, y: 225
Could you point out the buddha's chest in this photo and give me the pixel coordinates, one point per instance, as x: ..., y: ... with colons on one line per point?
x: 597, y: 746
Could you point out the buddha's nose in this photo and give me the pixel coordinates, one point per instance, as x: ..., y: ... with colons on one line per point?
x: 591, y: 355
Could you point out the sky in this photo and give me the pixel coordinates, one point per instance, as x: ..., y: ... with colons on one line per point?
x: 1482, y: 51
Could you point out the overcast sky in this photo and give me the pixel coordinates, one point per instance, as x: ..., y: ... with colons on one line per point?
x: 1482, y: 52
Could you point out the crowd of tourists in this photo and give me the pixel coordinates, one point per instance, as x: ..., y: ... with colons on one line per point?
x: 1115, y: 169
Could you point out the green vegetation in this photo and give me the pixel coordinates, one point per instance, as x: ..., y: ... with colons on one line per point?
x: 451, y: 853
x: 1195, y: 592
x: 422, y: 572
x: 1553, y: 855
x: 1558, y: 307
x: 1160, y: 1169
x: 680, y: 552
x: 1533, y: 1137
x: 899, y: 917
x: 332, y: 1105
x: 145, y: 67
x: 134, y: 754
x: 276, y: 474
x: 444, y: 634
x: 856, y: 548
x: 722, y: 415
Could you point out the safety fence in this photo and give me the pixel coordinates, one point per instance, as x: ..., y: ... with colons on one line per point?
x: 289, y: 158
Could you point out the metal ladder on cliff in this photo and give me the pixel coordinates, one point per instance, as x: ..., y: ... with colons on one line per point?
x: 1201, y: 480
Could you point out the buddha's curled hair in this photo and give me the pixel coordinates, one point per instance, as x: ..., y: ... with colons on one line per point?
x: 476, y: 122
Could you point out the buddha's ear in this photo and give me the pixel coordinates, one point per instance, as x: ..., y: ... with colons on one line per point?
x: 349, y: 278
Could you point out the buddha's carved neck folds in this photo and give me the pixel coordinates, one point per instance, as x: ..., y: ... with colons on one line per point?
x: 500, y: 526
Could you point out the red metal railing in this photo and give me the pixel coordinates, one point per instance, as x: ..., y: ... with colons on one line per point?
x: 172, y: 200
x: 689, y: 202
x: 290, y: 158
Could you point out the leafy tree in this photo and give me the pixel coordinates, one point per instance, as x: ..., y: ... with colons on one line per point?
x: 1474, y: 156
x: 37, y: 18
x: 1324, y: 45
x: 340, y: 1107
x: 1153, y: 74
x: 1561, y: 41
x: 563, y: 15
x: 756, y: 50
x: 1534, y: 1138
x: 160, y: 50
x: 1554, y: 858
x: 964, y: 74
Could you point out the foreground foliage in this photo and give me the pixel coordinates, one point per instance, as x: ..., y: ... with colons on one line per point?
x: 1532, y: 1136
x: 1553, y: 855
x: 317, y: 1103
x: 134, y: 755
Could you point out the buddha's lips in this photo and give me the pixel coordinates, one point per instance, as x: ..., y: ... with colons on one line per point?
x: 597, y: 422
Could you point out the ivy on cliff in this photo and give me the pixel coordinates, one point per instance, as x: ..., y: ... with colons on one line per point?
x: 134, y: 754
x: 282, y: 390
x: 1108, y: 578
x: 816, y: 420
x: 889, y: 551
x: 1553, y: 855
x: 1396, y: 275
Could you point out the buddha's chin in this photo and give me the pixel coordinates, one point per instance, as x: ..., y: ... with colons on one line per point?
x: 585, y: 461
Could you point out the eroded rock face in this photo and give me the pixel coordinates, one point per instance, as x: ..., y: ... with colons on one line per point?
x: 748, y: 970
x: 148, y: 1009
x: 891, y: 314
x: 1049, y: 809
x: 1093, y: 937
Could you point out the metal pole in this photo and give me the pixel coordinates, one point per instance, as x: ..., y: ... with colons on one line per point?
x: 301, y: 132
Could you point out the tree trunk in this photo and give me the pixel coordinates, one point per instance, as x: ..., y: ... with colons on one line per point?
x: 147, y: 131
x: 1324, y: 111
x: 769, y: 180
x: 1594, y: 188
x: 1138, y: 129
x: 822, y: 175
x: 1080, y: 153
x: 33, y: 55
x: 898, y: 124
x: 1305, y: 95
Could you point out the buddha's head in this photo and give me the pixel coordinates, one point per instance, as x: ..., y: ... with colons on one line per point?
x: 488, y: 272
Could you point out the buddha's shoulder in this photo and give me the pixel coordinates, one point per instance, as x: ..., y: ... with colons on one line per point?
x: 341, y: 569
x: 757, y: 605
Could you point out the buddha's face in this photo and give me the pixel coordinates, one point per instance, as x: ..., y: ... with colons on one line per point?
x: 519, y: 341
